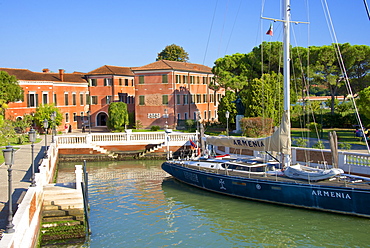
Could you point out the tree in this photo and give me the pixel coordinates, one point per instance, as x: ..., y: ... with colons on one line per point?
x: 363, y: 102
x: 233, y: 71
x: 357, y: 61
x: 10, y: 91
x: 174, y: 53
x: 226, y: 104
x: 326, y: 69
x: 43, y: 112
x: 263, y: 97
x: 118, y: 116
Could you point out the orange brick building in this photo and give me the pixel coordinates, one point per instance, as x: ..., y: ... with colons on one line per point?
x: 163, y: 93
x: 169, y: 91
x: 67, y: 91
x: 109, y: 84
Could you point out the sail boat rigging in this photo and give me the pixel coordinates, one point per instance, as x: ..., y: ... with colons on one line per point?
x: 265, y: 179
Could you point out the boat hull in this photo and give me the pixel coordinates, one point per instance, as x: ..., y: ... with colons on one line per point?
x: 343, y: 200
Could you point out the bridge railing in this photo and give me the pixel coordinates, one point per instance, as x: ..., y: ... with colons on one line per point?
x: 124, y: 138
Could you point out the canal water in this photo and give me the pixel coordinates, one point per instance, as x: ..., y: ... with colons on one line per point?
x: 136, y: 204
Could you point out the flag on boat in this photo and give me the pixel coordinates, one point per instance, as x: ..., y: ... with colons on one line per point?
x: 270, y: 31
x: 193, y: 144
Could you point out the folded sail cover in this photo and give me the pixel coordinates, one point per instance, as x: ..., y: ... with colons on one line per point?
x: 278, y: 142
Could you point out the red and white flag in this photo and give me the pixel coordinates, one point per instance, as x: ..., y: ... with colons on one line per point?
x: 270, y: 31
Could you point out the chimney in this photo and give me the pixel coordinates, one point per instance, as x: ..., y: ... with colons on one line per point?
x: 61, y: 74
x: 46, y: 70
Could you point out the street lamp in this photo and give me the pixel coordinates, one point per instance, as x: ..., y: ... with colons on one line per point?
x: 9, y: 159
x: 32, y: 138
x: 227, y: 114
x: 321, y: 107
x: 52, y: 117
x: 46, y: 125
x: 166, y: 117
x: 88, y: 116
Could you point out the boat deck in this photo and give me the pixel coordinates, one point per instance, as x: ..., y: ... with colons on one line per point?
x: 339, y: 181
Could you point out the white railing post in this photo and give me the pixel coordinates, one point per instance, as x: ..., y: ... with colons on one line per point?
x: 88, y: 138
x: 294, y: 156
x: 78, y: 172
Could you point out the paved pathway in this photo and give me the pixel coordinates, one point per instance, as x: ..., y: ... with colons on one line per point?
x: 21, y: 175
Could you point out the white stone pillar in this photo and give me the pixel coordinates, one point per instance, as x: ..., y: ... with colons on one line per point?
x: 78, y: 172
x: 237, y: 122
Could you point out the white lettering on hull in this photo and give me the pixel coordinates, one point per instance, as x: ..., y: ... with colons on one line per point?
x: 191, y: 176
x: 331, y: 194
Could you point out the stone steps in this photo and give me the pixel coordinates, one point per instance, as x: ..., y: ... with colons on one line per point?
x: 63, y: 215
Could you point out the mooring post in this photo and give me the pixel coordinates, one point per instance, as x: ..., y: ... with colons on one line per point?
x: 78, y: 172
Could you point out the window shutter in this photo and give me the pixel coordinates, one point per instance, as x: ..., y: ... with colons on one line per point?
x: 37, y: 100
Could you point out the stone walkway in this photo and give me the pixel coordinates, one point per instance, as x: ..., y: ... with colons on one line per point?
x: 21, y: 175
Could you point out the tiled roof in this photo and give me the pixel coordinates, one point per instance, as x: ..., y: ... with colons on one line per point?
x: 27, y: 75
x: 112, y: 70
x: 174, y: 65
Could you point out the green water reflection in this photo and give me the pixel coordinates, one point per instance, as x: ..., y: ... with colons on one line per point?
x: 135, y: 204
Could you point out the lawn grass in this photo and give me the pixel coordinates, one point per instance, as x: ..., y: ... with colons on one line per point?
x: 344, y: 135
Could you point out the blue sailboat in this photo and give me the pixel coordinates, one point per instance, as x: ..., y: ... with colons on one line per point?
x: 270, y: 180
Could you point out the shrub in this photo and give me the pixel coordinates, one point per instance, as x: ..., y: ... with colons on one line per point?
x: 256, y: 126
x: 319, y: 145
x: 344, y: 146
x: 154, y: 128
x: 301, y: 142
x: 138, y: 124
x: 189, y: 123
x: 313, y: 126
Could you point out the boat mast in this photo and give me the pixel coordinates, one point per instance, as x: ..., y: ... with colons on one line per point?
x: 286, y: 71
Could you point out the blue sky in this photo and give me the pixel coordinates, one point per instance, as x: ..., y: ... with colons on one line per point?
x: 83, y: 35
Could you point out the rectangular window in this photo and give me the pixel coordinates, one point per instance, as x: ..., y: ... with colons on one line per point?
x: 74, y: 102
x: 165, y: 99
x: 185, y: 99
x: 132, y: 82
x: 120, y: 81
x: 74, y: 116
x: 178, y: 99
x: 126, y: 82
x: 81, y: 99
x: 204, y: 80
x: 66, y: 99
x: 141, y: 79
x: 179, y: 116
x: 88, y: 101
x: 192, y: 98
x: 141, y: 100
x: 191, y: 79
x: 178, y: 79
x: 185, y: 79
x: 67, y: 117
x: 94, y: 100
x: 32, y: 100
x: 55, y: 100
x: 199, y: 99
x: 82, y: 116
x: 44, y: 98
x: 164, y: 79
x: 185, y: 116
x: 93, y: 82
x: 108, y: 99
x: 205, y: 114
x: 204, y: 98
x: 107, y: 82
